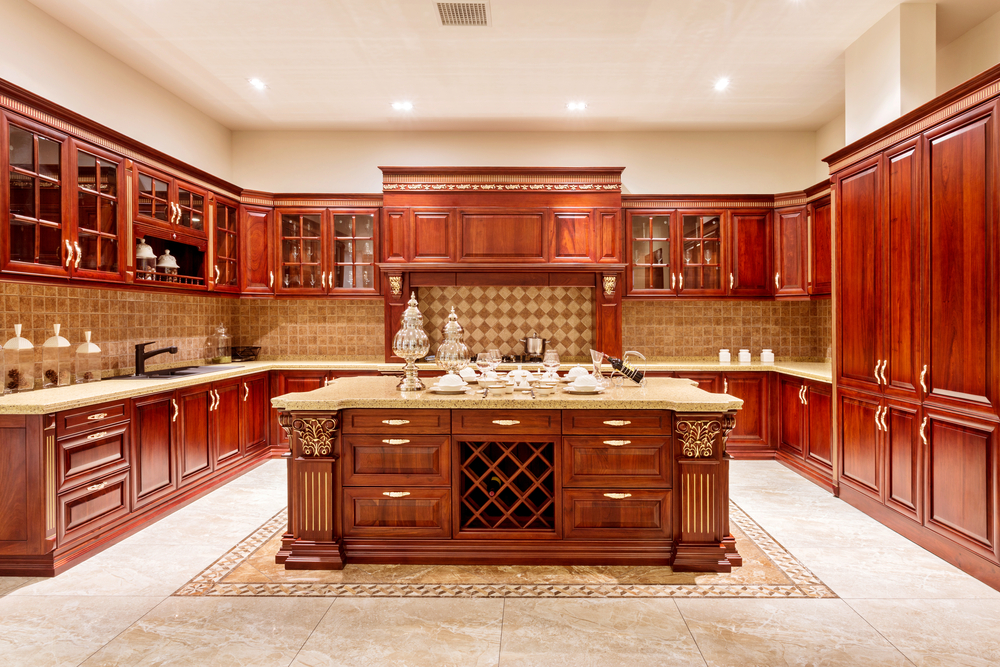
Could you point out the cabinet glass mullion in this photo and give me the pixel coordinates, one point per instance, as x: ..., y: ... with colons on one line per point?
x: 700, y: 252
x: 97, y: 212
x: 35, y: 197
x: 154, y: 198
x: 651, y: 252
x: 301, y: 250
x: 354, y: 251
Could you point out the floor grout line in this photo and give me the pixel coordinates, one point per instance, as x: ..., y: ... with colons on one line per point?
x: 311, y: 633
x: 693, y: 638
x: 503, y: 617
x: 877, y: 631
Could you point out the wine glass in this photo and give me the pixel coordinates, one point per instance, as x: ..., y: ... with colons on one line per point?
x: 484, y: 362
x: 495, y: 358
x: 550, y: 361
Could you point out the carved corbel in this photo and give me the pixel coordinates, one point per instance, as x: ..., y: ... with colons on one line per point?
x: 698, y: 437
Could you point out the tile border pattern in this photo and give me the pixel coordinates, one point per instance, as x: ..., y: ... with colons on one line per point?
x: 804, y: 584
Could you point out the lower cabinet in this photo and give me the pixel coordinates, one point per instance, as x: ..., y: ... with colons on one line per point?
x: 749, y: 438
x: 287, y: 382
x: 253, y: 412
x: 154, y: 462
x: 226, y: 427
x: 193, y: 433
x: 805, y: 427
x: 709, y: 381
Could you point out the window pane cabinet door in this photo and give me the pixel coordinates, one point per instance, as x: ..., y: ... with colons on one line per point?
x: 300, y: 253
x: 353, y: 260
x: 97, y: 250
x: 226, y: 267
x: 652, y: 265
x: 35, y: 235
x: 701, y: 254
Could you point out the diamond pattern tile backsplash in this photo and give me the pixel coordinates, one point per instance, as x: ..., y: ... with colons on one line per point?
x: 501, y: 316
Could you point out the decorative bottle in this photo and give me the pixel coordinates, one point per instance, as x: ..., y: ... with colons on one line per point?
x: 57, y: 360
x: 88, y: 361
x: 219, y: 346
x: 19, y: 364
x: 411, y: 343
x: 452, y: 354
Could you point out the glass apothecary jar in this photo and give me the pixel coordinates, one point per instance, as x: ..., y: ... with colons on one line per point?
x: 88, y: 361
x: 145, y: 260
x: 18, y: 364
x: 452, y: 354
x: 57, y: 360
x: 219, y: 346
x: 167, y: 265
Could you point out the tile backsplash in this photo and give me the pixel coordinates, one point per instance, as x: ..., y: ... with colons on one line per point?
x: 793, y: 330
x: 349, y: 330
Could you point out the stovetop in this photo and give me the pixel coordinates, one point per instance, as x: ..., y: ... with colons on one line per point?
x: 520, y: 359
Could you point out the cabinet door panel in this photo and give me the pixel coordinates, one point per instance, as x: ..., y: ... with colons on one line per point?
x: 394, y: 236
x: 193, y: 434
x: 710, y: 382
x: 903, y: 458
x: 961, y: 275
x: 610, y: 232
x: 433, y: 236
x: 573, y: 237
x: 225, y: 418
x: 961, y: 480
x: 820, y: 239
x: 750, y: 272
x: 502, y: 237
x: 819, y: 407
x: 153, y: 453
x: 791, y: 435
x: 253, y: 412
x: 859, y: 289
x: 288, y: 382
x: 255, y: 258
x: 751, y: 420
x: 790, y: 252
x: 859, y: 443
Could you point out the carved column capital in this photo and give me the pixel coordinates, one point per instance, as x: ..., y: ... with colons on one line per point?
x: 698, y: 437
x: 316, y: 436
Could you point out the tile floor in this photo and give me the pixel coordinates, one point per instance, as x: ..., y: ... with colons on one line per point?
x: 898, y: 604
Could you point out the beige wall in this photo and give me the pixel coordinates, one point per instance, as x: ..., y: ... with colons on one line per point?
x: 656, y: 162
x: 972, y: 53
x: 829, y: 139
x: 45, y: 57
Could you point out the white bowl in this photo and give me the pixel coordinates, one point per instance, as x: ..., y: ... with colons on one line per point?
x: 450, y: 380
x: 577, y: 371
x: 467, y: 373
x: 585, y: 382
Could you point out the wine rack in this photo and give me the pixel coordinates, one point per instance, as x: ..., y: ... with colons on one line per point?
x: 525, y: 497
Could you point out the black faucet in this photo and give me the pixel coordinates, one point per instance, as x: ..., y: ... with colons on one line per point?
x: 141, y: 355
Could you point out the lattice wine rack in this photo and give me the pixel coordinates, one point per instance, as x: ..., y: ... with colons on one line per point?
x: 525, y: 497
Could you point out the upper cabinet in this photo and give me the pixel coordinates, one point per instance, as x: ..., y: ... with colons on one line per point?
x: 790, y: 252
x: 327, y: 251
x: 225, y: 246
x: 170, y: 204
x: 819, y: 219
x: 256, y: 258
x: 100, y: 214
x: 701, y: 253
x: 750, y: 253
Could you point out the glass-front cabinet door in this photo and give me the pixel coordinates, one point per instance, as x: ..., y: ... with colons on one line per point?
x: 700, y: 268
x: 225, y: 246
x: 171, y: 204
x: 191, y: 209
x: 353, y: 261
x: 97, y: 246
x: 300, y: 252
x: 653, y: 267
x: 153, y: 203
x: 35, y: 235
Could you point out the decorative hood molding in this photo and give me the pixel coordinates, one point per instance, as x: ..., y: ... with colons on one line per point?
x: 502, y: 179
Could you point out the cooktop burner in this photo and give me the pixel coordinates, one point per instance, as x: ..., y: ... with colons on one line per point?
x: 520, y: 359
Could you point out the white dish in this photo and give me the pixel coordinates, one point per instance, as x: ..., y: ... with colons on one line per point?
x: 582, y: 390
x: 438, y: 389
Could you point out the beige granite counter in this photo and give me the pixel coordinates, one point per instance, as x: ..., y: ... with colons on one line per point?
x: 380, y: 392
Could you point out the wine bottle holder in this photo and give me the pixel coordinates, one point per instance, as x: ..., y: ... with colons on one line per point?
x: 525, y: 499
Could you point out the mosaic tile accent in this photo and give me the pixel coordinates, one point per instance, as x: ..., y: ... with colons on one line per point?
x: 501, y: 316
x: 804, y: 584
x: 342, y: 329
x: 793, y: 330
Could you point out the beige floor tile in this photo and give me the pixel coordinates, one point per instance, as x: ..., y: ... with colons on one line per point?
x: 59, y: 631
x: 938, y: 633
x: 591, y: 633
x: 397, y: 631
x: 216, y: 632
x: 739, y: 633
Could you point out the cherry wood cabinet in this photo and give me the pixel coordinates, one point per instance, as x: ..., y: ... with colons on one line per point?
x: 805, y: 428
x: 678, y: 253
x: 327, y: 251
x: 256, y: 258
x: 226, y: 426
x: 790, y: 252
x: 651, y: 243
x: 154, y: 448
x: 195, y: 458
x: 750, y: 437
x: 750, y: 253
x: 164, y: 202
x: 225, y: 246
x: 98, y: 214
x: 710, y: 381
x: 819, y: 216
x: 254, y: 410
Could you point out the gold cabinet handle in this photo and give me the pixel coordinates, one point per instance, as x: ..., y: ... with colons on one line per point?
x: 216, y: 274
x: 885, y: 411
x: 777, y: 282
x: 672, y: 280
x: 97, y: 436
x: 215, y: 404
x: 725, y: 385
x: 617, y: 443
x: 270, y: 283
x: 97, y: 415
x: 617, y: 422
x: 69, y: 253
x: 79, y: 255
x: 882, y: 372
x: 618, y: 496
x: 731, y: 280
x: 97, y: 487
x: 923, y: 374
x: 923, y: 435
x: 395, y: 441
x: 395, y: 494
x: 680, y: 281
x: 176, y: 411
x: 877, y: 425
x: 805, y: 395
x: 395, y: 422
x: 322, y: 279
x: 878, y: 362
x: 246, y: 392
x: 506, y: 422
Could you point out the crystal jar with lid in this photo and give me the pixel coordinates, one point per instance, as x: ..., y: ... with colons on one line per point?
x: 219, y: 346
x: 145, y: 260
x: 167, y: 264
x: 18, y: 364
x: 88, y: 361
x: 57, y: 360
x: 452, y: 354
x: 411, y: 343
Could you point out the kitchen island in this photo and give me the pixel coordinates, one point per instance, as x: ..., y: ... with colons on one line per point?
x: 633, y: 476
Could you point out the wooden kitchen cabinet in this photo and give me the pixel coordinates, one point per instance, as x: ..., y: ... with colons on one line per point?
x: 749, y: 438
x: 750, y: 254
x: 702, y: 254
x: 652, y: 266
x: 167, y: 203
x: 327, y: 251
x: 225, y: 246
x: 226, y: 427
x: 676, y: 253
x: 256, y: 259
x: 819, y: 219
x: 710, y: 381
x: 254, y: 410
x: 195, y: 458
x: 286, y: 382
x: 790, y: 252
x: 98, y: 220
x: 805, y: 438
x: 154, y: 448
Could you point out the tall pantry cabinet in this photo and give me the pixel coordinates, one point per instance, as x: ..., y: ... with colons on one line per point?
x: 918, y: 333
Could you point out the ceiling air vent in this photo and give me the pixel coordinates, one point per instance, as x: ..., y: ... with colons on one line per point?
x: 464, y: 13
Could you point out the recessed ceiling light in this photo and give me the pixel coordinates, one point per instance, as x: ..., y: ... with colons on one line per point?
x: 257, y: 83
x: 402, y: 106
x: 576, y: 106
x: 722, y: 84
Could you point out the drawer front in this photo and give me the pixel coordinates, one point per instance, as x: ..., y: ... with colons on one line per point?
x: 397, y: 512
x: 500, y: 422
x: 639, y: 462
x: 84, y: 458
x: 90, y: 508
x: 90, y: 418
x: 421, y: 460
x: 610, y: 422
x: 621, y: 514
x: 397, y: 421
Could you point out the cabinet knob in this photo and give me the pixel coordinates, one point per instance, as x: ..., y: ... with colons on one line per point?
x: 672, y: 280
x: 725, y: 385
x: 69, y: 253
x: 680, y: 281
x: 246, y: 392
x: 176, y: 411
x: 79, y: 255
x: 882, y: 372
x: 618, y: 496
x: 617, y: 422
x: 878, y: 362
x: 732, y: 280
x: 270, y: 282
x: 885, y: 411
x: 97, y: 487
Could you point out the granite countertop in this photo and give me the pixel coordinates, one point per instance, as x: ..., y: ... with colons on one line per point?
x: 44, y: 401
x: 380, y: 392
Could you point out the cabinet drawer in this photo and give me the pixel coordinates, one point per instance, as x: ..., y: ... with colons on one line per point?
x: 397, y: 421
x: 633, y: 422
x: 397, y: 512
x: 626, y: 514
x: 500, y: 422
x: 84, y: 458
x: 609, y: 462
x: 89, y: 508
x: 90, y: 418
x: 422, y: 460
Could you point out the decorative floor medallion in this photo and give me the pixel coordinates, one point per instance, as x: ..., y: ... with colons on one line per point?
x: 769, y: 571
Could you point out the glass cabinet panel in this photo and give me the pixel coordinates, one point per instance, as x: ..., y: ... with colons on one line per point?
x: 301, y: 251
x: 97, y: 210
x: 35, y: 198
x: 354, y: 251
x: 651, y: 252
x: 192, y: 209
x: 154, y: 198
x: 225, y: 245
x: 700, y: 252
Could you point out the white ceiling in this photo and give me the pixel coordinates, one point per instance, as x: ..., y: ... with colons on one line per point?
x: 639, y: 64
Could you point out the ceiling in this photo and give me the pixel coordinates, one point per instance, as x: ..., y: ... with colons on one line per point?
x: 639, y: 64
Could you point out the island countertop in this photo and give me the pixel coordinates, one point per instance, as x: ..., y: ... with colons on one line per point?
x: 674, y: 394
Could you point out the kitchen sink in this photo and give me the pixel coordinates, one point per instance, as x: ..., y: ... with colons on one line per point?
x: 179, y: 372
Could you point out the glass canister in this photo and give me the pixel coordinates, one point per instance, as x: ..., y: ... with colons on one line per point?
x: 411, y: 343
x: 18, y: 364
x: 219, y: 350
x: 145, y: 260
x: 452, y: 354
x: 88, y: 361
x: 57, y: 360
x: 167, y: 264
